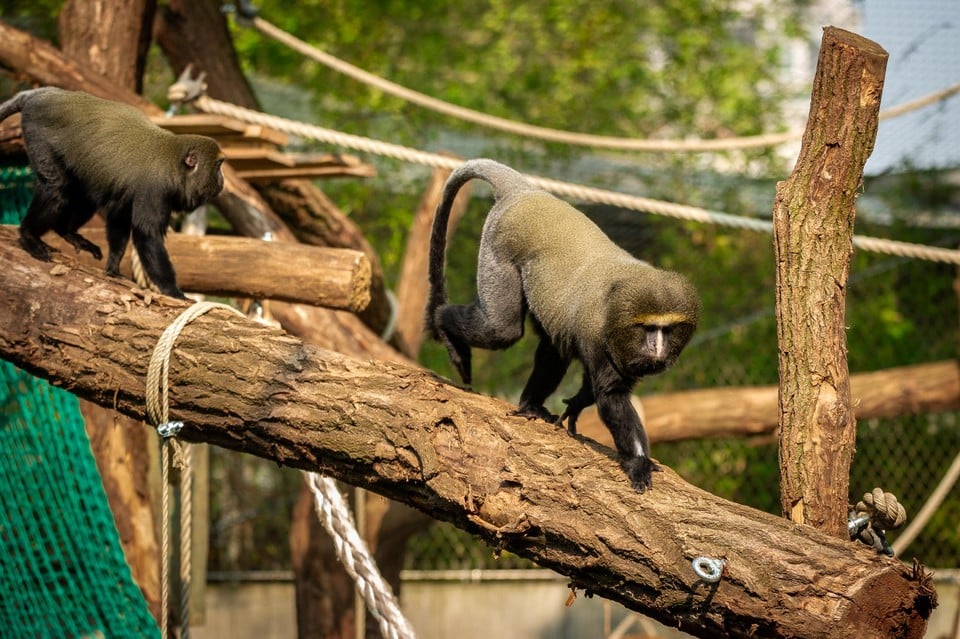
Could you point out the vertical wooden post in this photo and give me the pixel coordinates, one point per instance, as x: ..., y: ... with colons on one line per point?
x: 813, y: 228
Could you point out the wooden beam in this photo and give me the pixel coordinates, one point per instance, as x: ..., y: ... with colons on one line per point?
x: 747, y: 411
x: 246, y: 267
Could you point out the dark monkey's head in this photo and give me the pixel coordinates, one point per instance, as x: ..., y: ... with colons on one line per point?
x: 201, y: 170
x: 650, y: 319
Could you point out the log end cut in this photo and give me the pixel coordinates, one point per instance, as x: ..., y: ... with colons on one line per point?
x: 882, y: 606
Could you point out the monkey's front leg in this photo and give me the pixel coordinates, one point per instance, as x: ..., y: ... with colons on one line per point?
x: 149, y: 228
x: 619, y: 415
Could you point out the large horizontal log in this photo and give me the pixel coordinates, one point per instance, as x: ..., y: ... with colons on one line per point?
x: 752, y: 410
x: 521, y: 485
x: 247, y: 267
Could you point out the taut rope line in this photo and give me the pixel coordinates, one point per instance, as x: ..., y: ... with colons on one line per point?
x: 575, y: 191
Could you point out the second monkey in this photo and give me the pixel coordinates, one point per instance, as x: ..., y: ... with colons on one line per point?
x: 588, y: 298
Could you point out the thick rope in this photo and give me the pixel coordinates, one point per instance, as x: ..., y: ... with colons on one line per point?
x: 355, y: 557
x: 555, y: 135
x: 158, y: 407
x: 574, y: 191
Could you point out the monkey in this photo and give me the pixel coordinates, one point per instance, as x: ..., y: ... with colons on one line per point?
x: 588, y: 299
x: 92, y: 154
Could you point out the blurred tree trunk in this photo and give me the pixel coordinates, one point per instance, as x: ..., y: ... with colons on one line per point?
x: 813, y: 230
x: 111, y: 37
x: 324, y: 590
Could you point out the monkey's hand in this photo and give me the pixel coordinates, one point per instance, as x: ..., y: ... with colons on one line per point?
x: 640, y: 471
x: 535, y: 412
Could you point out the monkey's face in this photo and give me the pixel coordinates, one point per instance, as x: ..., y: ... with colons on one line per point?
x: 648, y: 345
x: 202, y: 163
x: 650, y: 322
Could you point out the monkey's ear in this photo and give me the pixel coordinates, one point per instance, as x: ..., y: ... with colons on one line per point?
x: 190, y: 159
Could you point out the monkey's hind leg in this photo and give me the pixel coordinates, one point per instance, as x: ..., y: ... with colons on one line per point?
x: 549, y: 367
x: 77, y: 211
x: 81, y: 243
x: 41, y: 217
x: 493, y: 321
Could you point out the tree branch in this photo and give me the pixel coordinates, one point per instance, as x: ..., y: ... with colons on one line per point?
x: 743, y: 411
x: 520, y: 485
x: 813, y: 231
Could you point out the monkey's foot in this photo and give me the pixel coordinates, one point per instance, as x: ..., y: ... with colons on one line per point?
x: 569, y: 416
x: 535, y: 412
x: 37, y: 247
x: 640, y: 471
x: 81, y: 243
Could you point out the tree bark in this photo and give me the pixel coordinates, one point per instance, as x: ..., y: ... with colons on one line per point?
x: 813, y: 229
x: 109, y: 36
x: 752, y: 410
x: 521, y: 485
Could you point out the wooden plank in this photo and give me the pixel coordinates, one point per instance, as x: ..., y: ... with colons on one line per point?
x: 218, y: 126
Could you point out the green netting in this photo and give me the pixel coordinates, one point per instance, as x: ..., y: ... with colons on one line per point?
x: 62, y: 571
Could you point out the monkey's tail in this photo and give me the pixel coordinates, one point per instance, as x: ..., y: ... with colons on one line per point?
x: 502, y: 179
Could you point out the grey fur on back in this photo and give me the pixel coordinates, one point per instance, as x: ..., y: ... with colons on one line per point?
x: 15, y: 104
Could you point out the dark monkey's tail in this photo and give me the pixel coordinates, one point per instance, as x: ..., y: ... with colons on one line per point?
x: 504, y: 181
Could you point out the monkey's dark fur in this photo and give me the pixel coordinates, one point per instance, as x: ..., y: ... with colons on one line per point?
x: 90, y: 154
x: 589, y: 299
